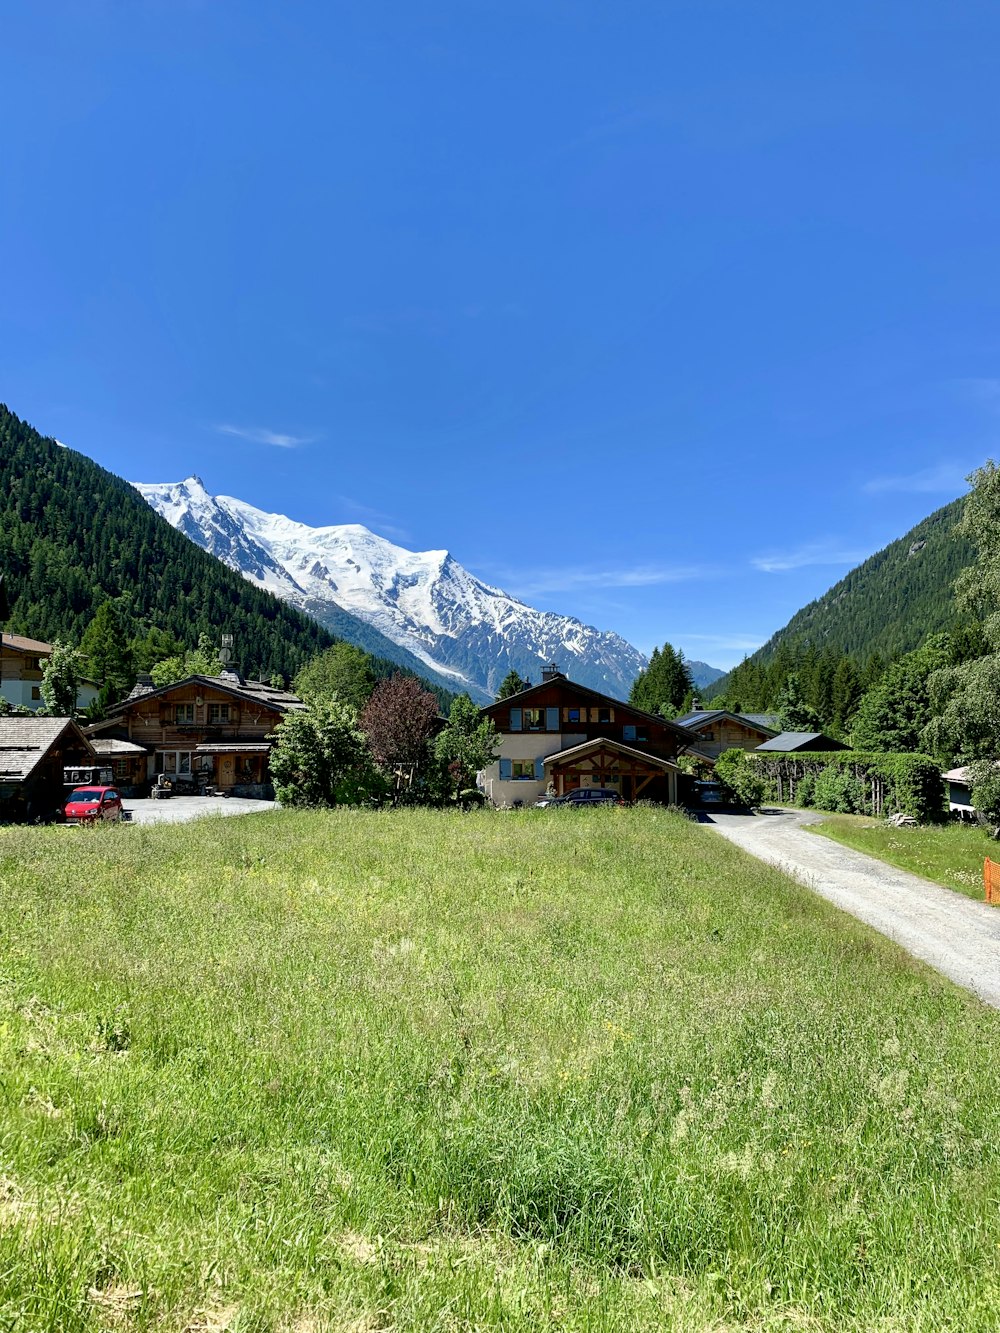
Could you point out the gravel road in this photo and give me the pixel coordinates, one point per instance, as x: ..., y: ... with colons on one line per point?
x: 180, y: 809
x: 957, y: 935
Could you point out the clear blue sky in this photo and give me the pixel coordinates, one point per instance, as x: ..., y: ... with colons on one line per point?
x: 660, y: 314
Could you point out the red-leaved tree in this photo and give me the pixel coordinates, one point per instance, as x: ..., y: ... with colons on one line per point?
x: 398, y: 720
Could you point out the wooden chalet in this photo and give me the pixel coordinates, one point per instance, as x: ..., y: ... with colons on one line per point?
x: 21, y: 663
x: 717, y: 730
x: 33, y: 753
x: 559, y: 736
x: 205, y: 732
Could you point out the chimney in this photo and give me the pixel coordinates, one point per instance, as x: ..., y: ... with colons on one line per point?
x: 696, y: 706
x: 226, y: 651
x: 551, y: 672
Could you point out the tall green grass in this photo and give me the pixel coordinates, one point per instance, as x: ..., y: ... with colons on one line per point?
x: 948, y: 854
x: 415, y: 1070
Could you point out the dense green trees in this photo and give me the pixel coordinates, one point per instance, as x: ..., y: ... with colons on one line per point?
x: 665, y: 685
x: 895, y: 712
x: 467, y: 744
x: 343, y: 670
x: 321, y: 757
x: 61, y: 677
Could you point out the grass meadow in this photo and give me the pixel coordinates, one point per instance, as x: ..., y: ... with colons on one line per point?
x: 949, y: 854
x: 588, y: 1070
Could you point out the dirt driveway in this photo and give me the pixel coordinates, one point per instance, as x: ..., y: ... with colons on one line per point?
x: 956, y: 935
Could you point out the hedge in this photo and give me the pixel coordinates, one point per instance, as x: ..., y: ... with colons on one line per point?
x: 886, y: 784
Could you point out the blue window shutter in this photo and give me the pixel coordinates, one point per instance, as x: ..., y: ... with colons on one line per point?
x: 506, y: 770
x: 515, y: 719
x: 539, y: 770
x: 552, y: 719
x: 628, y: 733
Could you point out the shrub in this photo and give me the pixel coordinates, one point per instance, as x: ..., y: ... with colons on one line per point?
x: 840, y: 792
x: 882, y: 784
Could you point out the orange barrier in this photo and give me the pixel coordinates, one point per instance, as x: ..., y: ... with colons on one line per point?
x: 991, y: 881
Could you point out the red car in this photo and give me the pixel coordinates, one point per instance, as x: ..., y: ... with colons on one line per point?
x: 87, y: 805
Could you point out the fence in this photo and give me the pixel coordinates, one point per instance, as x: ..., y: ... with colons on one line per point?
x: 991, y: 881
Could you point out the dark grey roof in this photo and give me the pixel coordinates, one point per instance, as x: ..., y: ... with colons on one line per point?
x: 789, y: 741
x: 25, y: 741
x: 696, y: 720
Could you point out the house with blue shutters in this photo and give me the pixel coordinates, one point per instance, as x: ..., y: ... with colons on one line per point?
x: 558, y: 736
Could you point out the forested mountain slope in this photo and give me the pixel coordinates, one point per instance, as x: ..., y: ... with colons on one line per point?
x: 73, y: 534
x: 889, y: 604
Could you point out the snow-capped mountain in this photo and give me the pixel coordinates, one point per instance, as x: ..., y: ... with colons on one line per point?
x: 425, y: 602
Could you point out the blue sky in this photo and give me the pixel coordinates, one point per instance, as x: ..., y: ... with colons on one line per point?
x: 659, y: 314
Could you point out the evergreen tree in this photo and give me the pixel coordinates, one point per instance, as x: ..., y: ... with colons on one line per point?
x: 512, y: 684
x: 107, y: 650
x: 794, y: 712
x: 664, y: 685
x: 894, y: 713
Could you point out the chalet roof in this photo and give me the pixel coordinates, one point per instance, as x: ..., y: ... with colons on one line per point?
x: 584, y: 691
x: 790, y: 741
x: 960, y: 775
x: 759, y: 721
x: 605, y: 743
x: 251, y: 691
x: 25, y: 741
x: 234, y: 747
x: 104, y: 745
x: 20, y: 644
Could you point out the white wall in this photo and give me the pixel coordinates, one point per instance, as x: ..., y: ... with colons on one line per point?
x: 529, y: 746
x: 18, y: 692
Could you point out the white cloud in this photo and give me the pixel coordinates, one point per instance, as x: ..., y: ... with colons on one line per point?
x: 574, y: 578
x: 260, y: 435
x: 812, y: 553
x: 746, y: 643
x: 943, y: 479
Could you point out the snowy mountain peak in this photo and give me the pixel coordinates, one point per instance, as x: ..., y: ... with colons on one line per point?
x: 423, y: 601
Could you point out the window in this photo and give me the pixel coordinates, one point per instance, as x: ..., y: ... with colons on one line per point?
x: 218, y: 712
x: 573, y: 715
x: 522, y: 768
x: 121, y: 768
x: 35, y: 693
x: 173, y: 761
x: 534, y: 719
x: 185, y: 712
x: 605, y: 715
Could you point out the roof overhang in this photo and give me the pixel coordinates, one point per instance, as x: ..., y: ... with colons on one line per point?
x: 236, y: 747
x: 589, y: 748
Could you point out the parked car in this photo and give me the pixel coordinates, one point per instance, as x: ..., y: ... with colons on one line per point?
x: 88, y: 805
x: 709, y: 793
x: 582, y: 796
